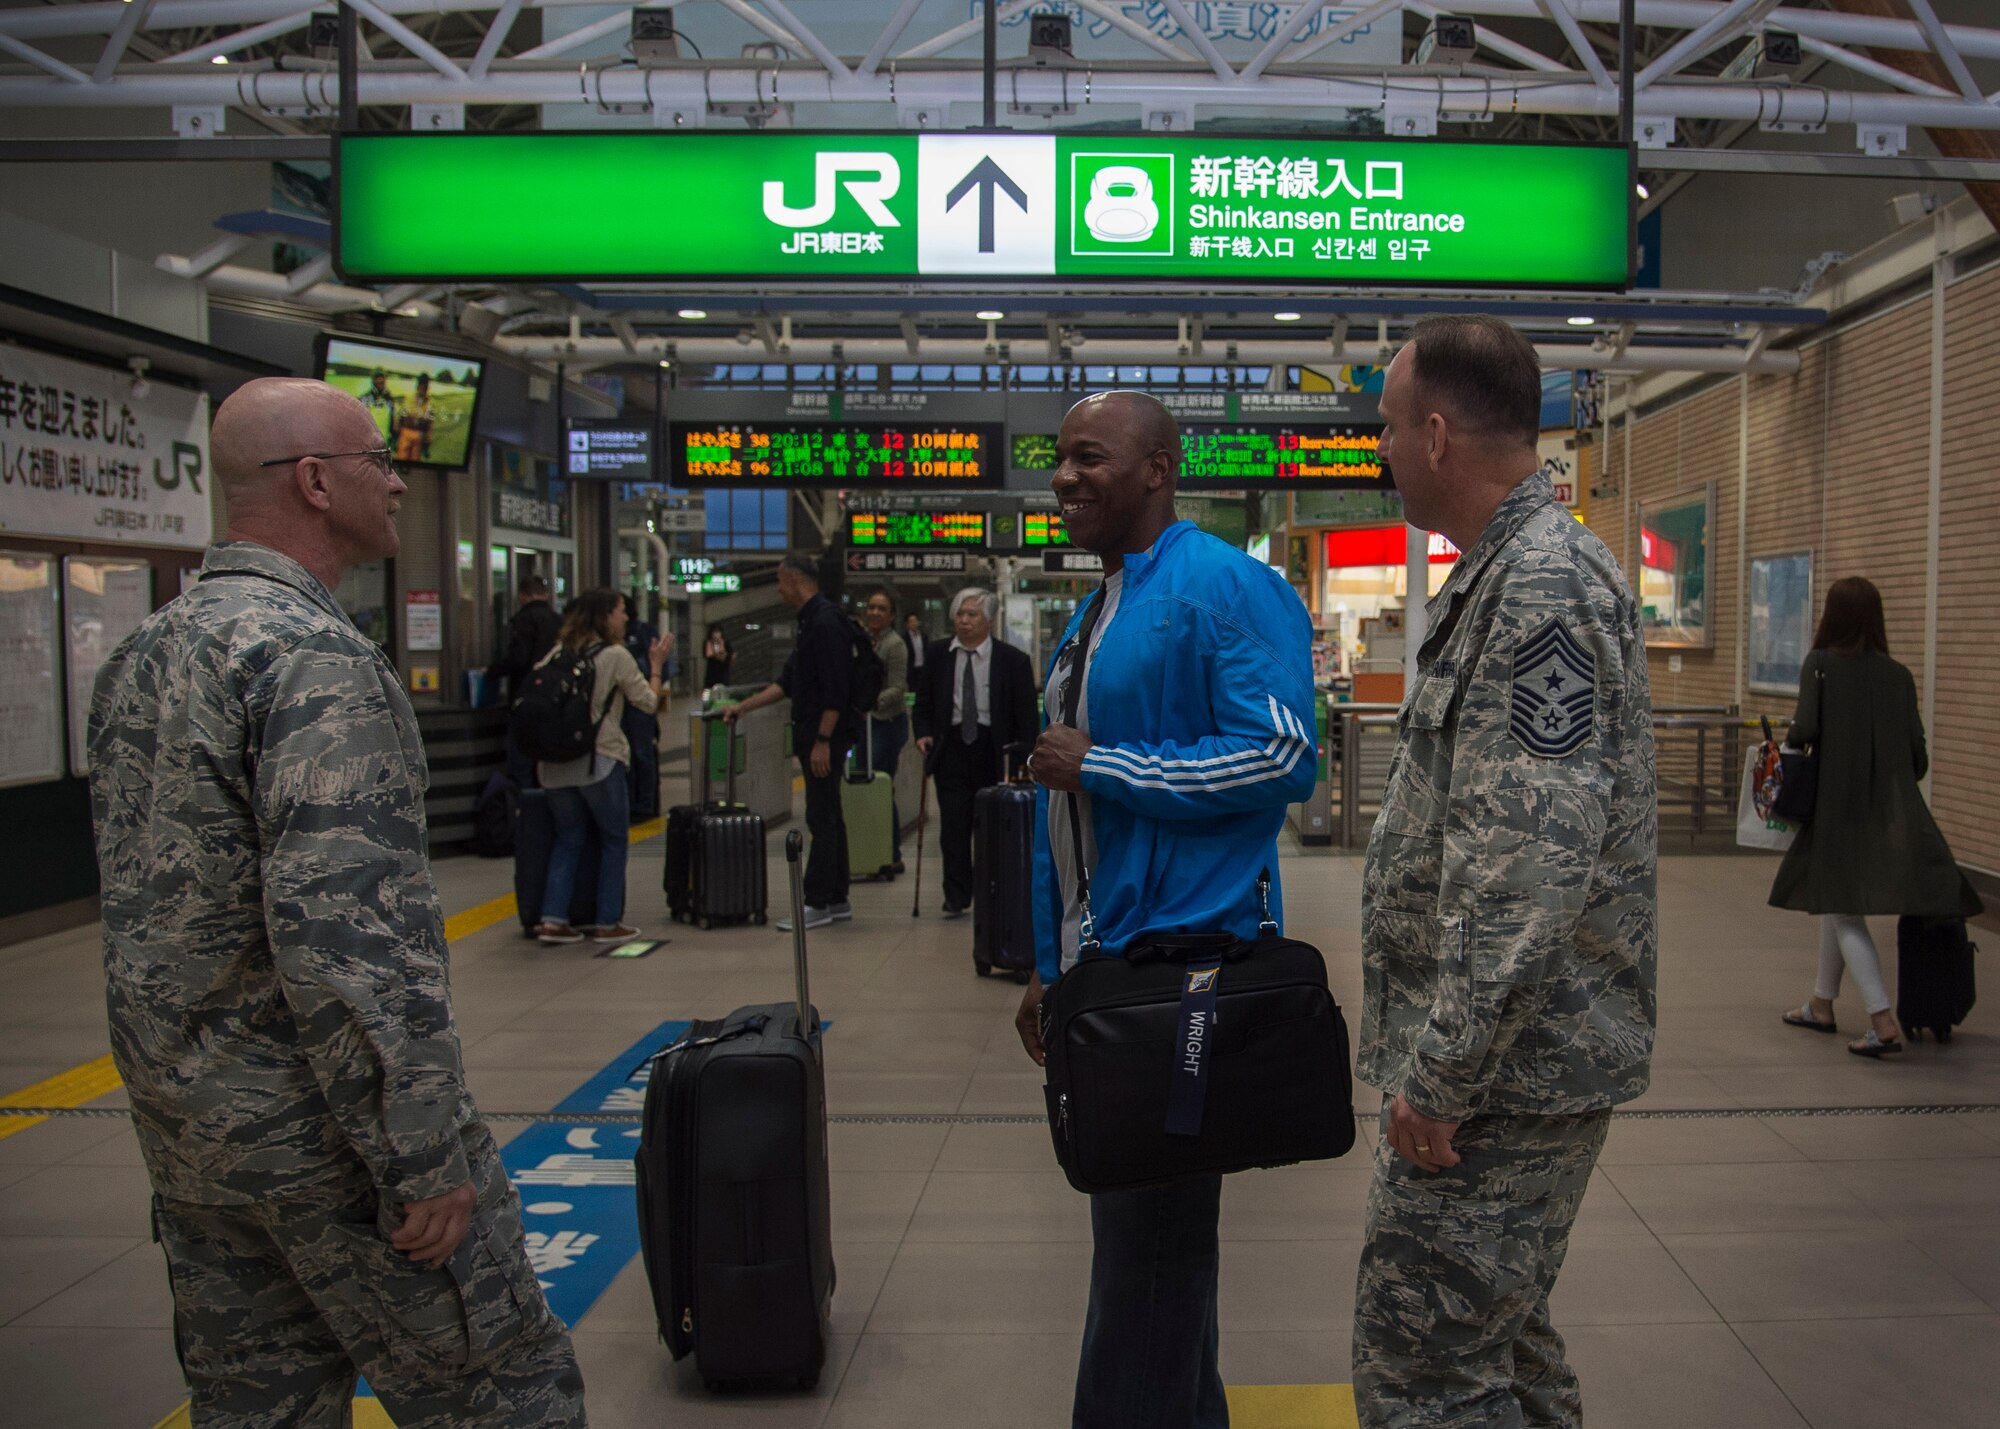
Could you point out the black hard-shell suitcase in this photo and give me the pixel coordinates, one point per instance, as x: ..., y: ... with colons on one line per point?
x: 1003, y: 871
x: 734, y: 1215
x: 1934, y: 976
x: 534, y: 839
x: 715, y: 854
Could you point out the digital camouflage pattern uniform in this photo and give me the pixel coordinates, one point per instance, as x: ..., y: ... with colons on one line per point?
x: 275, y: 970
x: 1508, y: 945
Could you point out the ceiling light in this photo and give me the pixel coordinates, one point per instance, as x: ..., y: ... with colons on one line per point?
x: 989, y: 315
x: 1581, y: 321
x: 694, y: 315
x: 218, y: 59
x: 1644, y: 192
x: 1284, y: 317
x: 665, y: 363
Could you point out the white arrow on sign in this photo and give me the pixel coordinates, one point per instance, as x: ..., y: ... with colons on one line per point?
x: 986, y: 203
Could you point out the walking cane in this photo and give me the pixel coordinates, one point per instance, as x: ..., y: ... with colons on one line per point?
x: 923, y: 798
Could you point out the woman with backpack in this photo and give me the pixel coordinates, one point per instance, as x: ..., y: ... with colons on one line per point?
x: 589, y: 796
x: 1871, y: 846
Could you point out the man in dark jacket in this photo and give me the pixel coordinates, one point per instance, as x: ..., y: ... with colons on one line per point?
x: 531, y: 634
x: 975, y: 696
x: 815, y: 680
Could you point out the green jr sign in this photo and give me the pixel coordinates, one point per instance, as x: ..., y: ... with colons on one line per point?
x: 1179, y: 208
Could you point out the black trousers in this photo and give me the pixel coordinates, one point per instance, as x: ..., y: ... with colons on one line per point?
x: 961, y: 771
x: 826, y: 861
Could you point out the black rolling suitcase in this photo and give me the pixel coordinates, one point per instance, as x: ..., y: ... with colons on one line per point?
x: 734, y: 1219
x: 1003, y: 872
x: 534, y: 838
x: 1934, y: 978
x: 715, y: 852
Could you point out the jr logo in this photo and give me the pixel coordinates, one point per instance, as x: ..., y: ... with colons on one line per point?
x: 872, y: 193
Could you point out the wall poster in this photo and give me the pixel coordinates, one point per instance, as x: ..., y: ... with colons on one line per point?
x: 31, y: 717
x: 1781, y: 620
x: 104, y: 600
x: 1675, y: 569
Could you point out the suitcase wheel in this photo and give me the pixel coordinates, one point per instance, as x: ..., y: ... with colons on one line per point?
x: 1943, y: 1034
x: 984, y: 969
x: 1912, y: 1034
x: 1021, y: 978
x: 758, y: 919
x: 705, y: 922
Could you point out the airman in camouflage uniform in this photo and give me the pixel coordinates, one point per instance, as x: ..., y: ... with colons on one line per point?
x: 275, y: 963
x: 1509, y: 926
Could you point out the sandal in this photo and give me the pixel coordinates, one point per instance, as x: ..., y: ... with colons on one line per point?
x: 1801, y: 1016
x: 1874, y: 1046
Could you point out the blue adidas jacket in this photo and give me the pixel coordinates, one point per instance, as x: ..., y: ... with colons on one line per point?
x: 1201, y: 707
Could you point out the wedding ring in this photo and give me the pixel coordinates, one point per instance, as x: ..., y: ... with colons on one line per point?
x: 1423, y: 1146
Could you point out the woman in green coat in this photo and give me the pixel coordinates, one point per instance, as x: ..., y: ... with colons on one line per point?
x: 1872, y: 845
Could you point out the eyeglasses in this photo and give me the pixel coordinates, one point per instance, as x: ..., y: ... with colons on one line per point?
x: 384, y: 460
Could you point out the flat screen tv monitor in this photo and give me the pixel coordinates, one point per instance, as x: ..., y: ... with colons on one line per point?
x: 425, y: 403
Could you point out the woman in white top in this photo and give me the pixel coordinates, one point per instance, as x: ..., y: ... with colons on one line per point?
x: 588, y: 796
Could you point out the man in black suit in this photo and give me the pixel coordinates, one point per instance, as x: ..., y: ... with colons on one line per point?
x: 975, y: 696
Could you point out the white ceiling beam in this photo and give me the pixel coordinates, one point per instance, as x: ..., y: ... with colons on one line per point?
x: 243, y: 39
x: 576, y: 39
x: 744, y: 11
x: 129, y: 24
x: 409, y: 39
x: 1457, y: 97
x: 1720, y: 29
x: 1334, y: 34
x: 959, y: 33
x: 1874, y: 69
x: 1288, y: 28
x: 1493, y: 42
x: 891, y: 32
x: 814, y: 45
x: 1126, y: 25
x: 1198, y: 37
x: 48, y: 64
x: 1946, y: 51
x: 495, y: 36
x: 1558, y: 11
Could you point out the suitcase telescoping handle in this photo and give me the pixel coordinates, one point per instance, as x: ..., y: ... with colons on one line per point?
x: 1014, y: 762
x: 795, y: 843
x: 718, y: 725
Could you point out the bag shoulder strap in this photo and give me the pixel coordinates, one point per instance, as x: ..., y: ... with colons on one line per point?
x: 1072, y: 698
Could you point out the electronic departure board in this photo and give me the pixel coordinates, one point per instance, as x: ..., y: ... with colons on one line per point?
x: 916, y: 528
x: 923, y: 455
x: 1296, y: 456
x: 1042, y: 528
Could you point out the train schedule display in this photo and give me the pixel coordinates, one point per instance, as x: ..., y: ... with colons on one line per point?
x: 1301, y: 456
x: 922, y: 456
x: 916, y: 528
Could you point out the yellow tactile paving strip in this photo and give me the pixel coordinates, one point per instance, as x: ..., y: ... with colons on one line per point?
x: 1290, y: 1406
x: 72, y: 1088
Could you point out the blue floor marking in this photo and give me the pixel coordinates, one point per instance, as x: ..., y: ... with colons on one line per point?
x: 577, y: 1186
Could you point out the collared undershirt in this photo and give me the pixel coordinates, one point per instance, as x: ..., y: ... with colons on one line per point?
x: 1062, y: 846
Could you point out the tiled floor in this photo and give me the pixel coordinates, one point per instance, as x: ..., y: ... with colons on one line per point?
x: 1752, y: 1271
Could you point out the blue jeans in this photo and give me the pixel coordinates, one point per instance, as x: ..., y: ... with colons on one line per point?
x: 889, y: 736
x: 1149, y: 1336
x: 595, y: 810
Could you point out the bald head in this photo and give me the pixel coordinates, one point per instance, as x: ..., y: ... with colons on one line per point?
x: 292, y: 458
x: 276, y: 417
x: 1143, y: 417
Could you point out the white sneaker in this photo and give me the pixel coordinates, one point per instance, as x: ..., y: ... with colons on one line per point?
x: 841, y: 911
x: 815, y: 918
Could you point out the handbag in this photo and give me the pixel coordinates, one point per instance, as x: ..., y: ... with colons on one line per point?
x: 1756, y: 827
x: 1193, y: 1054
x: 1798, y: 774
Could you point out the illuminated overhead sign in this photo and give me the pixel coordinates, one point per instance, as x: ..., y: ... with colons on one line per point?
x: 916, y: 528
x: 615, y: 451
x: 823, y: 454
x: 1042, y: 528
x: 865, y: 206
x: 1295, y: 456
x: 906, y: 562
x: 1071, y: 563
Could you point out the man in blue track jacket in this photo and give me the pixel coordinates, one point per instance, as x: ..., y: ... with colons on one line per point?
x: 1192, y: 711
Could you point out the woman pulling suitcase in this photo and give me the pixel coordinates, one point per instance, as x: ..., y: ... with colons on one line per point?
x: 1871, y: 845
